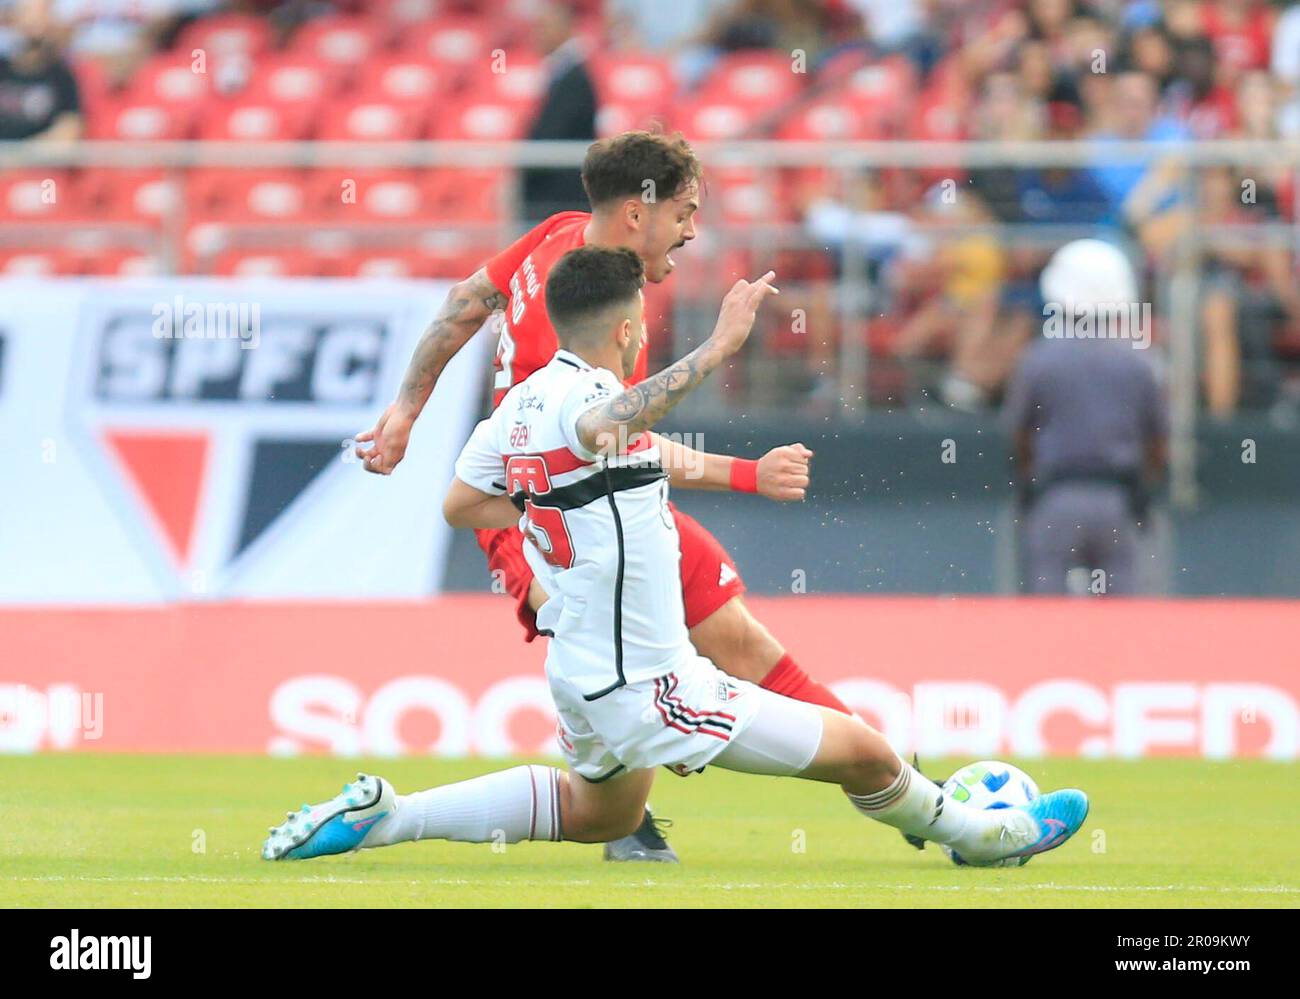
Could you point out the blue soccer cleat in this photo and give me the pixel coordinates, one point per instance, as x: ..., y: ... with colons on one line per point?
x: 1058, y: 816
x: 335, y: 826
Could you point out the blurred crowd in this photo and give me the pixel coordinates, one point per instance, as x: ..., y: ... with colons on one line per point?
x: 951, y: 257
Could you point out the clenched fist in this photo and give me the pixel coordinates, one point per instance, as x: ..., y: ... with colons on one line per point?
x: 783, y: 472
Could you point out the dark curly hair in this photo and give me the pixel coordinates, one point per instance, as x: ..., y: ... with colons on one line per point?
x: 619, y: 167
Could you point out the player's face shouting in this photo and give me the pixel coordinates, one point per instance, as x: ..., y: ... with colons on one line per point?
x: 670, y: 225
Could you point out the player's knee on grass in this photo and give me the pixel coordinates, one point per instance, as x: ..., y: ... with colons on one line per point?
x: 736, y: 642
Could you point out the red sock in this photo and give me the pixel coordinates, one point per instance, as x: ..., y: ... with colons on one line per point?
x: 788, y: 679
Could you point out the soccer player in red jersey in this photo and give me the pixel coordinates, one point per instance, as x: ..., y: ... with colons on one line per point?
x: 644, y: 189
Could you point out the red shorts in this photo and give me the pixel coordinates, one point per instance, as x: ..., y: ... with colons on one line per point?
x: 709, y: 576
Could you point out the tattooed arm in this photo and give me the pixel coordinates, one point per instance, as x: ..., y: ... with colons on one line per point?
x: 607, y: 428
x: 468, y: 305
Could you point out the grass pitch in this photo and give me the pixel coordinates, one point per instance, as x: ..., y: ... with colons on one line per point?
x: 171, y: 831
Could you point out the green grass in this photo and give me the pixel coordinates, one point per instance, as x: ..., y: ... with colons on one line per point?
x: 107, y: 830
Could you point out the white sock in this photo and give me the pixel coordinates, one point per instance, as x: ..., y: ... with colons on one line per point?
x: 506, y: 806
x: 917, y: 806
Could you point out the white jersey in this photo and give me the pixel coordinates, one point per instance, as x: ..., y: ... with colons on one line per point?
x: 600, y: 538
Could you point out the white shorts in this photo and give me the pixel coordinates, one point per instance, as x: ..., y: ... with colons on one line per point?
x: 690, y: 718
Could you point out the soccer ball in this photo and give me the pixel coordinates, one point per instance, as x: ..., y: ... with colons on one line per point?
x: 990, y: 784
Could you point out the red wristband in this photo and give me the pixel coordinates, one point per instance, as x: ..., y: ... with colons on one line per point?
x: 744, y: 475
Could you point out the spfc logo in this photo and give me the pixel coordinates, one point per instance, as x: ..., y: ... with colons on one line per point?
x: 205, y: 444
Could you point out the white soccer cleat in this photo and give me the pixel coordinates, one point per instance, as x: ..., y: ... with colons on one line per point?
x: 339, y: 825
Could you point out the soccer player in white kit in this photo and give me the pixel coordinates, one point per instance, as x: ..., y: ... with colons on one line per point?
x: 569, y: 458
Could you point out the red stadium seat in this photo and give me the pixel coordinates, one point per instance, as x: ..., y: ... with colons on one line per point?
x: 136, y: 121
x: 244, y: 121
x: 266, y: 263
x: 168, y: 80
x: 373, y: 195
x: 449, y: 254
x: 514, y: 77
x: 292, y: 79
x: 831, y: 120
x: 250, y: 196
x: 632, y: 79
x: 612, y: 119
x: 403, y: 80
x: 468, y: 195
x: 481, y: 121
x: 131, y: 195
x: 338, y: 40
x: 381, y: 264
x: 38, y: 263
x: 886, y: 85
x: 707, y: 119
x: 227, y: 34
x: 755, y: 79
x: 448, y: 41
x: 364, y: 120
x: 121, y: 262
x: 743, y: 194
x: 35, y: 195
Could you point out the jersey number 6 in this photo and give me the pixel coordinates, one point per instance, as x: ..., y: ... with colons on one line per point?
x: 527, y: 473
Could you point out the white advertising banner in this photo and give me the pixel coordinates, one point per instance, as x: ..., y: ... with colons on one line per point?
x: 190, y: 439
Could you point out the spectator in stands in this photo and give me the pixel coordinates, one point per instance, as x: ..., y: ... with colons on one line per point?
x: 961, y: 274
x: 38, y: 93
x: 568, y: 112
x: 121, y: 34
x: 1247, y: 288
x: 1147, y: 195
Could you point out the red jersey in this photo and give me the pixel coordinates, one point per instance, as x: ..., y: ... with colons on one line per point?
x: 519, y: 272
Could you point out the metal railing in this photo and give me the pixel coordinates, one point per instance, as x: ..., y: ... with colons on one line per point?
x: 853, y: 289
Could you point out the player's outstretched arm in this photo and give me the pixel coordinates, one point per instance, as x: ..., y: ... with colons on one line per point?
x: 608, y: 428
x: 782, y: 474
x: 468, y: 305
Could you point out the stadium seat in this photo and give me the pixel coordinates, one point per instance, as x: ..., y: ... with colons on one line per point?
x: 245, y: 121
x: 292, y: 79
x: 451, y: 255
x: 468, y: 195
x: 514, y: 77
x: 370, y: 195
x: 480, y: 120
x: 250, y: 195
x: 612, y: 119
x: 38, y: 263
x: 632, y: 79
x: 265, y: 263
x: 381, y: 264
x: 132, y: 120
x: 226, y: 34
x: 171, y: 81
x: 453, y: 42
x: 708, y: 119
x: 121, y: 262
x: 36, y: 195
x: 403, y: 80
x: 131, y: 195
x: 831, y: 120
x: 754, y: 79
x: 367, y: 120
x: 338, y: 40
